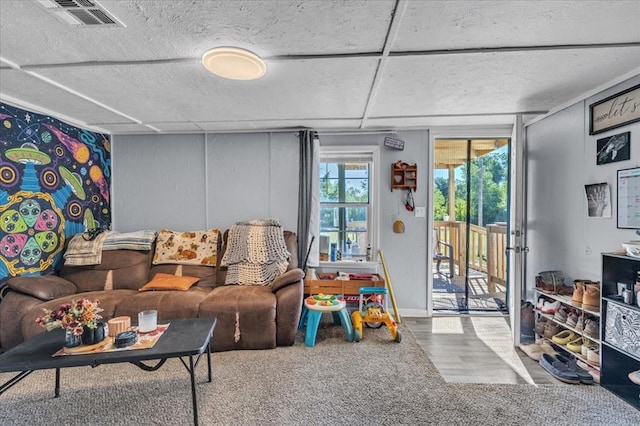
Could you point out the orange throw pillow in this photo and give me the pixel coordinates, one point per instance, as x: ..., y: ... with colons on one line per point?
x: 162, y: 281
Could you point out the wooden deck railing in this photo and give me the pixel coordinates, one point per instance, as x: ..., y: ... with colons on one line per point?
x: 486, y: 249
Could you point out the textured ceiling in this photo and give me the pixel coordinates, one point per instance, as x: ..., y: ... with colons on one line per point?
x: 331, y: 65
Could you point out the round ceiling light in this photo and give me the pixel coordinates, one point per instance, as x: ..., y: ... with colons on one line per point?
x: 234, y: 63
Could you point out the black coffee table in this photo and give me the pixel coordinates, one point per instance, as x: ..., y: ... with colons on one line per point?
x: 184, y: 338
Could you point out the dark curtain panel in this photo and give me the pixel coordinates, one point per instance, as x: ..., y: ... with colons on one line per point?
x: 305, y: 192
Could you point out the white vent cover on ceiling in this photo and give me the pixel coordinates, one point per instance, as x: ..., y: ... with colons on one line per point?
x: 81, y: 13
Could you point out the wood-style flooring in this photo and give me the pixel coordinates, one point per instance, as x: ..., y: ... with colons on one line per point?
x: 475, y: 349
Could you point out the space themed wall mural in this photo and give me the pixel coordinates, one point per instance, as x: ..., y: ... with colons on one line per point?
x: 54, y: 183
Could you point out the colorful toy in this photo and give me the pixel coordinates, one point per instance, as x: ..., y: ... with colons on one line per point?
x: 314, y: 306
x: 374, y: 313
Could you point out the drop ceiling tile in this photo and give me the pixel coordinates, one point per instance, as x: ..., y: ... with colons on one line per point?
x: 492, y: 83
x: 324, y: 88
x: 45, y: 98
x: 186, y: 29
x: 435, y: 25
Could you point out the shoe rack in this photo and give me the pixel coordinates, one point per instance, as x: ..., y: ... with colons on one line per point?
x: 566, y: 301
x: 620, y: 354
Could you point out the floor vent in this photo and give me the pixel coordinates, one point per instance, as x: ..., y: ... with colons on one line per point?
x: 81, y: 13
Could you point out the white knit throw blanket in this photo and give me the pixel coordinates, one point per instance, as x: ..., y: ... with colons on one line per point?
x: 256, y: 253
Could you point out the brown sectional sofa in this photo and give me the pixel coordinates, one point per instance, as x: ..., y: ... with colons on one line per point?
x: 249, y: 316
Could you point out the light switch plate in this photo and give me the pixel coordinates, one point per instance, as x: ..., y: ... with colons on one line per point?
x: 421, y: 212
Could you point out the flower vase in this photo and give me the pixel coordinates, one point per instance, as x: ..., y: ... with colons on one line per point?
x: 71, y: 340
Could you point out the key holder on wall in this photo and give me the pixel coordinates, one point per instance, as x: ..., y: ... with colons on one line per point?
x: 409, y: 203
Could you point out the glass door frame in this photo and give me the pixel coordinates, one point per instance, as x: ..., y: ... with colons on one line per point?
x: 498, y: 132
x: 517, y: 232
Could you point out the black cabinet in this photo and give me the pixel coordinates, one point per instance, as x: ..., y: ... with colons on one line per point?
x: 620, y: 349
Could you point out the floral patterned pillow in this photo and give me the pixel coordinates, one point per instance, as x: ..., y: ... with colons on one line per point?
x: 187, y: 248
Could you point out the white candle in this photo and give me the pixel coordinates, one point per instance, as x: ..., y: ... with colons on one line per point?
x: 147, y: 321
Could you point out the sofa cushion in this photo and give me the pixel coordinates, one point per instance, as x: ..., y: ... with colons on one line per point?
x: 120, y: 269
x: 169, y: 304
x: 187, y: 248
x: 45, y: 287
x: 162, y: 281
x: 246, y: 317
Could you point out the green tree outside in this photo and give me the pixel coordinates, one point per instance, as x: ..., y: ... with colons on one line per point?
x: 494, y: 190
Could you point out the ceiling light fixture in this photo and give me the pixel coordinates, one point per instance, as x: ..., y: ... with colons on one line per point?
x: 234, y: 63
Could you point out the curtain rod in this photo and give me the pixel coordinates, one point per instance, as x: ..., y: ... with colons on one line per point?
x: 361, y: 132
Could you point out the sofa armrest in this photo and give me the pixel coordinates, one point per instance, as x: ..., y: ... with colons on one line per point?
x: 44, y: 287
x: 290, y: 277
x: 289, y: 298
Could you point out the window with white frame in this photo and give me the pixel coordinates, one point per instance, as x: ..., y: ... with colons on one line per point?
x: 347, y: 200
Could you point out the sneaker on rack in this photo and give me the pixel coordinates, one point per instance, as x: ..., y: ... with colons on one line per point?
x: 540, y: 323
x: 540, y: 302
x: 550, y: 307
x: 572, y: 319
x: 592, y: 328
x: 586, y: 343
x: 593, y: 356
x: 561, y: 314
x: 580, y: 323
x: 551, y: 329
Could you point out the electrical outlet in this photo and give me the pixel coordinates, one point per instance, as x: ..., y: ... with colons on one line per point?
x: 421, y: 212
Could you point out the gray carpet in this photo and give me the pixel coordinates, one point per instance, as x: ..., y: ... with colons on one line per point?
x: 376, y: 381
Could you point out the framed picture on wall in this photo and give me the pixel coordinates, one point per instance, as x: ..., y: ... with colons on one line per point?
x: 613, y: 148
x: 615, y: 111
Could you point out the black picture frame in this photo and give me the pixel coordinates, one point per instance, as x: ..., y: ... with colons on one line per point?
x: 613, y: 148
x: 615, y: 111
x: 628, y: 198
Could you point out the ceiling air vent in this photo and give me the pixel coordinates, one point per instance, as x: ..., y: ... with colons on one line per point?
x: 81, y: 13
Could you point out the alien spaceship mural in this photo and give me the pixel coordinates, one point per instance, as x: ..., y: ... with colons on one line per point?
x: 54, y: 183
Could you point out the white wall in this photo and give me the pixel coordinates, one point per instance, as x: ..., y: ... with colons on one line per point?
x: 561, y: 159
x: 158, y: 181
x: 189, y: 182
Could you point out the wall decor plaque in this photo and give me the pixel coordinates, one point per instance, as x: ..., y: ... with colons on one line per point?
x: 394, y: 143
x: 615, y: 111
